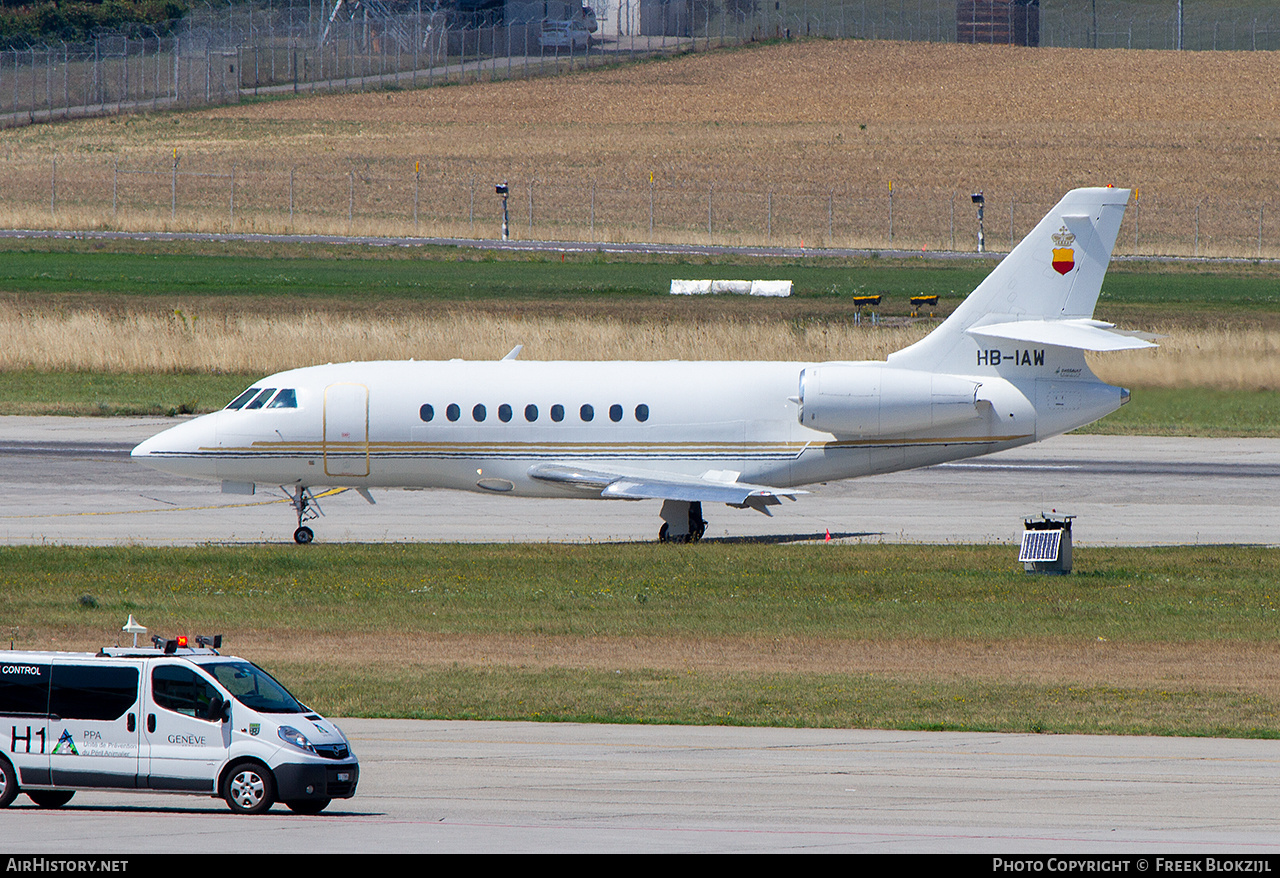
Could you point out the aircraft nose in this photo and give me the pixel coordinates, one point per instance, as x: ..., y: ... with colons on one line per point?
x: 179, y: 448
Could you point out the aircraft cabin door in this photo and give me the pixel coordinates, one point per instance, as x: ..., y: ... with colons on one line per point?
x: 346, y: 430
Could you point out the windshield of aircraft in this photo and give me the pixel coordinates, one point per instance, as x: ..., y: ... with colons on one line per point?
x: 254, y: 687
x: 257, y: 397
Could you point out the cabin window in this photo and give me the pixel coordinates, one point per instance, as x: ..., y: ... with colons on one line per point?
x: 557, y: 413
x: 453, y: 412
x: 92, y: 692
x: 240, y: 400
x: 615, y: 413
x: 531, y: 413
x: 261, y: 399
x: 182, y: 690
x: 426, y: 412
x: 504, y: 413
x: 478, y: 413
x: 587, y: 413
x: 285, y: 399
x: 642, y: 413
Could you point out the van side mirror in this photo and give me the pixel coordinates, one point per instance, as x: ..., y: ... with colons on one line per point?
x: 218, y: 710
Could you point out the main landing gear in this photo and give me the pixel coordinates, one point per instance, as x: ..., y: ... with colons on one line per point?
x: 682, y: 522
x: 304, y: 503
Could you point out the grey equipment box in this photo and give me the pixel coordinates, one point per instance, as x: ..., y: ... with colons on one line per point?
x: 1046, y: 544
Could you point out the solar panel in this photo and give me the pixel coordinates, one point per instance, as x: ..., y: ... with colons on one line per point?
x: 1040, y: 545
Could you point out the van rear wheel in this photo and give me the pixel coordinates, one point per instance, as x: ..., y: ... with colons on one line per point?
x: 249, y: 788
x: 308, y: 806
x: 8, y: 783
x: 50, y: 798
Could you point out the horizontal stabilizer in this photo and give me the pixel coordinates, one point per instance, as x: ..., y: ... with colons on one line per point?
x: 1085, y: 335
x: 658, y: 486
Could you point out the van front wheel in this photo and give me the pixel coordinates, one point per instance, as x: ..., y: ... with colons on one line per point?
x: 308, y: 806
x: 8, y: 783
x: 249, y: 788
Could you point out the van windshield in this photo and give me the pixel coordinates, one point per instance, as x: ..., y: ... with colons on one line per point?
x: 254, y: 687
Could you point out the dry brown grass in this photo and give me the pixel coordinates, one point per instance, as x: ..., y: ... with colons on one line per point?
x: 234, y: 340
x: 1233, y: 666
x: 1223, y: 359
x: 799, y: 120
x: 135, y: 341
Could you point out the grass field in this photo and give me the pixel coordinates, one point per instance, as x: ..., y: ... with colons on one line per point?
x: 793, y: 141
x: 1139, y: 641
x: 172, y: 328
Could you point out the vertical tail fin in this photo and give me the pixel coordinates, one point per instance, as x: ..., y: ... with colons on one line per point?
x: 1048, y: 287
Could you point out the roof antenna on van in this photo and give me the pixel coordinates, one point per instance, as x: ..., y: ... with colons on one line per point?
x: 132, y: 627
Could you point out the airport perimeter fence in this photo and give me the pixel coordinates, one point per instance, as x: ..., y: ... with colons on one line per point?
x: 219, y: 53
x: 414, y: 198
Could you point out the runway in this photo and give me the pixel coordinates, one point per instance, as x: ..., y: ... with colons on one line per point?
x: 470, y: 787
x: 71, y: 481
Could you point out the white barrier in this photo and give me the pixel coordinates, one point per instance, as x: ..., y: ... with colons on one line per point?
x: 738, y: 287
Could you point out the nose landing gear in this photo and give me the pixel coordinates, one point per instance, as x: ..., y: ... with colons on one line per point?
x: 305, y: 505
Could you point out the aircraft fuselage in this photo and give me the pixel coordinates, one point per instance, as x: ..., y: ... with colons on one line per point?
x: 483, y: 425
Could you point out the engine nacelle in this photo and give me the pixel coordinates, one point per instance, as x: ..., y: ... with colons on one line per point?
x: 871, y: 399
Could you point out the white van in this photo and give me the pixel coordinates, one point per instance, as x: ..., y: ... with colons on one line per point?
x: 168, y: 719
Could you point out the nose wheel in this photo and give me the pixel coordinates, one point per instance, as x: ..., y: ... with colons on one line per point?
x: 306, y: 507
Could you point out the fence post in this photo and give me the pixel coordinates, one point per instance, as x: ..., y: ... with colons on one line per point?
x: 651, y: 205
x: 1137, y: 215
x: 953, y: 222
x: 1011, y: 203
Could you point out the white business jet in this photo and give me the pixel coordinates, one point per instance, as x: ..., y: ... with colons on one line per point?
x: 1007, y: 368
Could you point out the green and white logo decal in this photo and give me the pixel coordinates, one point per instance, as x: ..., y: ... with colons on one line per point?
x: 66, y: 745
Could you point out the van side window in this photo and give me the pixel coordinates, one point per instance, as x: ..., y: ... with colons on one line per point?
x: 97, y: 692
x: 24, y: 689
x: 182, y: 690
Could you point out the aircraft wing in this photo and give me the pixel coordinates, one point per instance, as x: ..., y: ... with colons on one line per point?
x: 1087, y: 335
x: 710, y: 487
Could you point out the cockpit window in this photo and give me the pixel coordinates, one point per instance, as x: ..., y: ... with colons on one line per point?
x: 285, y: 399
x: 261, y: 399
x: 240, y: 400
